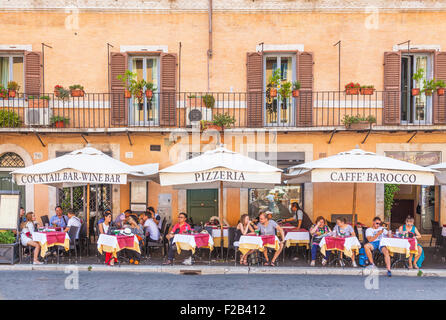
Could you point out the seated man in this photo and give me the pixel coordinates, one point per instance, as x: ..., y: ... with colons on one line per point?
x: 73, y: 222
x: 269, y: 227
x: 181, y: 227
x: 59, y: 220
x: 120, y: 220
x: 151, y: 230
x: 374, y: 236
x: 155, y: 216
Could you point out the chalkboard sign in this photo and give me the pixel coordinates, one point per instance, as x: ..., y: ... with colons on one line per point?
x: 195, y: 115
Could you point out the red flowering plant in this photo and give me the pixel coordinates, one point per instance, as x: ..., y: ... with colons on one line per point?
x: 352, y: 85
x: 61, y: 92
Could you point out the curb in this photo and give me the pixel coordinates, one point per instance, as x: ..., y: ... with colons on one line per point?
x: 225, y: 270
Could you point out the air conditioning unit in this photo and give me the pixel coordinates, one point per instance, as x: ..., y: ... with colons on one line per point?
x: 195, y: 115
x: 38, y: 116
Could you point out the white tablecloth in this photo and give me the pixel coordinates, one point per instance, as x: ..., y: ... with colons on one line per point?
x: 394, y: 242
x: 251, y: 240
x: 41, y: 237
x: 107, y: 240
x: 216, y: 233
x: 109, y: 243
x: 350, y: 244
x: 300, y: 236
x: 443, y: 231
x: 187, y: 242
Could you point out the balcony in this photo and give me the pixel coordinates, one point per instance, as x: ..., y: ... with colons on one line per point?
x: 312, y: 110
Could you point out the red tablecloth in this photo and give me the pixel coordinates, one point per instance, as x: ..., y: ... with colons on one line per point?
x: 334, y: 243
x: 201, y: 239
x: 55, y: 237
x: 412, y: 243
x: 269, y: 239
x: 125, y: 241
x: 295, y: 229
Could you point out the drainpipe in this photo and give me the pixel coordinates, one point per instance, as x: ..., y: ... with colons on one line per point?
x: 209, y: 53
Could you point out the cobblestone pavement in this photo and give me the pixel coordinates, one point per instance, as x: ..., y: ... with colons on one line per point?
x: 135, y: 286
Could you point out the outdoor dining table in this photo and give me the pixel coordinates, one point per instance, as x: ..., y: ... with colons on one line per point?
x: 347, y: 245
x: 216, y: 235
x: 192, y: 241
x: 115, y: 243
x: 254, y: 242
x: 294, y: 236
x: 404, y: 246
x: 49, y: 238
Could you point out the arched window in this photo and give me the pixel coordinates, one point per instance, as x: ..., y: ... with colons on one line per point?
x: 11, y: 160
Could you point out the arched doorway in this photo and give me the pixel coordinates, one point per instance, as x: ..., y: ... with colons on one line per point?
x: 10, y: 161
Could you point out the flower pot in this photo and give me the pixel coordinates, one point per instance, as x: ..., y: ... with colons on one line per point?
x: 139, y: 94
x: 367, y: 91
x: 4, y: 96
x: 214, y: 127
x: 59, y: 124
x: 440, y: 91
x: 37, y: 103
x: 127, y: 94
x: 352, y: 91
x: 57, y: 93
x: 9, y: 253
x: 415, y: 91
x: 273, y: 93
x: 428, y: 93
x: 12, y: 93
x: 362, y: 125
x: 149, y: 94
x: 77, y: 93
x: 295, y: 93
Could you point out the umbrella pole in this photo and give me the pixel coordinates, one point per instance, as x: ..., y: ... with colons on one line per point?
x: 355, y: 188
x: 88, y: 211
x: 221, y: 217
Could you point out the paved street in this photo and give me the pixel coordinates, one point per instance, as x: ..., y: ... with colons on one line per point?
x: 123, y: 285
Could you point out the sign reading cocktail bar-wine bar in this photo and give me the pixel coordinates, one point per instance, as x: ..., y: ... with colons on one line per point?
x: 68, y: 176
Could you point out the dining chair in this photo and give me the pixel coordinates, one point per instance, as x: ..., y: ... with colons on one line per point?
x: 73, y: 242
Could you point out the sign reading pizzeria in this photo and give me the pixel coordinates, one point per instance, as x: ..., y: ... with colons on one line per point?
x: 219, y: 175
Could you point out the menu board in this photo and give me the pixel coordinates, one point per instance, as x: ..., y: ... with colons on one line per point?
x: 9, y: 208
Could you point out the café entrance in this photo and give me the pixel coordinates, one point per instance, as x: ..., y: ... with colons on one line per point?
x: 202, y: 204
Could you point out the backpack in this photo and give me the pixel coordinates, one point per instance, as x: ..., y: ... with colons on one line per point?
x: 362, y: 258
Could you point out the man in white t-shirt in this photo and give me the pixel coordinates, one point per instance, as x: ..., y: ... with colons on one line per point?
x: 73, y: 222
x: 150, y: 228
x: 155, y: 216
x: 374, y: 236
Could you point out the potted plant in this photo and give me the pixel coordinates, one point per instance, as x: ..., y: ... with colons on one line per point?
x: 367, y: 90
x: 389, y: 193
x: 358, y: 122
x: 3, y: 92
x: 9, y: 247
x: 137, y: 90
x: 417, y: 76
x: 352, y: 88
x: 273, y: 82
x: 296, y: 88
x: 150, y: 87
x: 60, y: 92
x: 77, y: 90
x: 285, y: 92
x: 221, y: 121
x: 125, y: 80
x: 208, y: 100
x: 440, y: 87
x: 59, y: 121
x: 38, y: 102
x: 428, y: 87
x: 13, y: 88
x: 9, y: 119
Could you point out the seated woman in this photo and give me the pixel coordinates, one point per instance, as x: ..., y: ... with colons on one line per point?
x: 26, y: 236
x: 244, y: 227
x: 412, y: 232
x: 318, y: 231
x: 105, y: 228
x: 343, y: 229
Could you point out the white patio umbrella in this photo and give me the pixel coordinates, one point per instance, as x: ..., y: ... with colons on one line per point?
x: 83, y: 167
x: 220, y: 168
x: 359, y: 166
x: 440, y: 176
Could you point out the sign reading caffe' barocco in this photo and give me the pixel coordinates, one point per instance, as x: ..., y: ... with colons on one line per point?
x: 70, y: 176
x: 372, y: 176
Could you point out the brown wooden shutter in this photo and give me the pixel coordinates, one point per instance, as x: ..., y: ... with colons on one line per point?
x: 392, y: 88
x: 168, y: 105
x: 119, y: 110
x: 304, y: 110
x: 439, y: 102
x: 254, y: 88
x: 33, y: 72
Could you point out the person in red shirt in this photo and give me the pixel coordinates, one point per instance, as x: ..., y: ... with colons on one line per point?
x: 181, y: 227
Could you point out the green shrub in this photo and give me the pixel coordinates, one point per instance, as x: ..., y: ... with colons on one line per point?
x: 9, y: 119
x: 7, y: 237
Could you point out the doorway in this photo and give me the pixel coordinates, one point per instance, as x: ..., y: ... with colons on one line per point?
x: 202, y: 204
x: 415, y: 109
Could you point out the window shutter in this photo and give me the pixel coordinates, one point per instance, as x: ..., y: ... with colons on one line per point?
x: 118, y: 66
x: 392, y: 88
x: 168, y: 89
x: 33, y: 72
x: 439, y: 102
x: 254, y: 88
x: 304, y: 109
